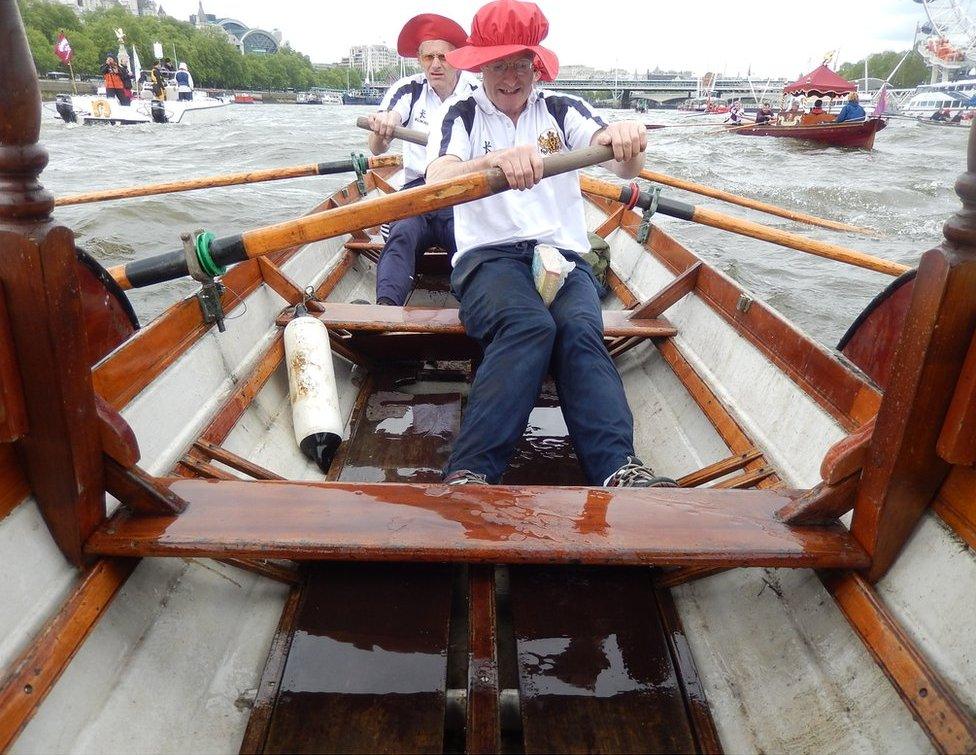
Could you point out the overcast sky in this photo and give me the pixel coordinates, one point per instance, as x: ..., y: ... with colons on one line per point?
x: 772, y: 37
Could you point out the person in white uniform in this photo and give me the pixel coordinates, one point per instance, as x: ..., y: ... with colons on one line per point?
x: 508, y: 124
x: 412, y: 102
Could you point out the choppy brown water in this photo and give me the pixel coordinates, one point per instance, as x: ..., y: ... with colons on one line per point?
x: 903, y: 188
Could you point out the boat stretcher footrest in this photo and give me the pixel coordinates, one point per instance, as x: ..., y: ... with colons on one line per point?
x: 478, y: 524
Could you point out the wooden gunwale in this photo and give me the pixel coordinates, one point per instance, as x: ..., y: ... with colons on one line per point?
x: 926, y: 693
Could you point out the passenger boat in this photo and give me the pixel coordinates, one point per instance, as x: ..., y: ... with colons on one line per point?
x: 366, y: 96
x: 859, y: 134
x: 95, y: 109
x: 178, y: 576
x: 821, y: 82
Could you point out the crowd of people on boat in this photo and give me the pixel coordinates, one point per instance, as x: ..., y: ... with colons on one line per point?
x: 508, y: 123
x: 795, y: 116
x: 118, y: 80
x: 944, y: 115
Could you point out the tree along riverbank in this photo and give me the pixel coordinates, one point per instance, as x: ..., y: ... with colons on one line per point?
x: 212, y: 59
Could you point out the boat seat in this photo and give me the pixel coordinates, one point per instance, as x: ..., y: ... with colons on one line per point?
x: 478, y: 524
x: 437, y: 333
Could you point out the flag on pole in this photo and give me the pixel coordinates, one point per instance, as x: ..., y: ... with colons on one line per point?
x: 63, y: 49
x: 881, y: 104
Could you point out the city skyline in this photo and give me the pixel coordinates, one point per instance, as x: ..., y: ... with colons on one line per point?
x: 768, y: 40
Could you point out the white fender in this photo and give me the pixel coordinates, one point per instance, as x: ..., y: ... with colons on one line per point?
x: 312, y: 388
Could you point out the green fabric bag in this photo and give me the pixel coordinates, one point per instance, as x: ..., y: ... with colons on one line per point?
x: 598, y: 257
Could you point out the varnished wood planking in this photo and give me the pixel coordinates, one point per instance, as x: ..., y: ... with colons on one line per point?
x: 903, y: 470
x: 497, y: 524
x: 256, y: 733
x: 595, y: 672
x: 367, y: 665
x: 483, y: 728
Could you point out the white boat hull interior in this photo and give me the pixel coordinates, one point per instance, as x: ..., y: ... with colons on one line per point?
x: 174, y: 664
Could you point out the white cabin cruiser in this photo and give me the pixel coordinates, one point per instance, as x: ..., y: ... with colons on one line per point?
x: 99, y: 108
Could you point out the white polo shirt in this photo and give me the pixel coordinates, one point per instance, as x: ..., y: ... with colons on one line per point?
x: 551, y: 212
x: 416, y: 101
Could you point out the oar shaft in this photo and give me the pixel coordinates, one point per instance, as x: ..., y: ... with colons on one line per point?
x: 352, y: 217
x: 753, y: 204
x: 743, y: 227
x: 229, y: 179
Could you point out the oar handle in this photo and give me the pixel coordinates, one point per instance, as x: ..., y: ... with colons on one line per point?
x: 214, y: 254
x: 403, y: 134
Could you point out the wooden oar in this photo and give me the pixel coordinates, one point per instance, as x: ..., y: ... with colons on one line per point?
x: 753, y: 204
x: 715, y: 219
x: 212, y: 254
x: 742, y: 227
x: 233, y: 179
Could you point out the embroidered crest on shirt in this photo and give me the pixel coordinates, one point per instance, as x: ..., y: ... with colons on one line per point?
x: 488, y: 147
x: 422, y: 117
x: 549, y: 142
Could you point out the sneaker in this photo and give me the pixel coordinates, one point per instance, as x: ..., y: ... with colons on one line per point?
x: 361, y: 301
x: 465, y: 477
x: 384, y: 302
x: 634, y: 474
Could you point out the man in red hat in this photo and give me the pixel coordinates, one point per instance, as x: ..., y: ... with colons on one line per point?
x: 412, y: 102
x: 509, y: 124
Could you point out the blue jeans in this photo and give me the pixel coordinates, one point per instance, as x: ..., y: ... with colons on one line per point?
x: 523, y: 341
x: 409, y: 239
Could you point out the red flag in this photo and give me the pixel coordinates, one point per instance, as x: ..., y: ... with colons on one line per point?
x: 62, y: 49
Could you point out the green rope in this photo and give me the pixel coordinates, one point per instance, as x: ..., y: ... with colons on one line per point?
x: 202, y: 244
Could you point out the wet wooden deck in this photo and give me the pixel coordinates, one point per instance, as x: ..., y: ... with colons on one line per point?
x: 454, y: 658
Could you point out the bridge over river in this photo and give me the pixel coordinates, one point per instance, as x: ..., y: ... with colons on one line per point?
x: 666, y: 91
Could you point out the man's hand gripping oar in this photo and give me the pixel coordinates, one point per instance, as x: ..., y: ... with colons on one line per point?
x: 212, y: 255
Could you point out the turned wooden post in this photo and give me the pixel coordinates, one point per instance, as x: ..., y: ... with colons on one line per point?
x: 60, y: 448
x: 903, y: 470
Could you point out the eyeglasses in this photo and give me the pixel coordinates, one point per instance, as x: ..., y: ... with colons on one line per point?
x: 431, y: 57
x: 522, y: 67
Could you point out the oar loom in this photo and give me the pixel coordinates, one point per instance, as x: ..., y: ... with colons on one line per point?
x: 705, y: 216
x: 359, y: 163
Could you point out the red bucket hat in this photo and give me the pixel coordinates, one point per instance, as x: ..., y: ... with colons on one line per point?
x: 424, y: 28
x: 503, y: 28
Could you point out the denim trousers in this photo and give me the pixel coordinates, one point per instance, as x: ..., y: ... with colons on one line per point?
x: 524, y: 340
x: 408, y: 240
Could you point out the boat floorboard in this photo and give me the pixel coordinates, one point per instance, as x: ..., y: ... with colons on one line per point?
x: 367, y: 666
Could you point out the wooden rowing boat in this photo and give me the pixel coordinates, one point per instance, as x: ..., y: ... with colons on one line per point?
x: 857, y: 134
x: 943, y: 124
x: 232, y: 597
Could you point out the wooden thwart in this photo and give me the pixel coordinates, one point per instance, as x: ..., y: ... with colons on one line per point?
x: 498, y: 524
x: 380, y: 319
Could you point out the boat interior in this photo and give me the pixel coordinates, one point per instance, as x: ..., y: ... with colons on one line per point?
x: 180, y: 576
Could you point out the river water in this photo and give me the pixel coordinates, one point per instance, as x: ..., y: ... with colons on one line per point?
x: 903, y: 188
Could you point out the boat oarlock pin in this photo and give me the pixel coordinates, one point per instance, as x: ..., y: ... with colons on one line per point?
x: 201, y: 266
x: 312, y: 388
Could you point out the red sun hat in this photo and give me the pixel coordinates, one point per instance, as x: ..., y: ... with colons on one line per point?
x: 503, y: 28
x: 426, y: 27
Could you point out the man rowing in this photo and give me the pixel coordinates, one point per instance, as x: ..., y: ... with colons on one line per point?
x: 412, y: 102
x: 508, y: 124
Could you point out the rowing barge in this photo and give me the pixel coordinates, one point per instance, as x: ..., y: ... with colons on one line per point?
x: 179, y: 576
x: 854, y: 134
